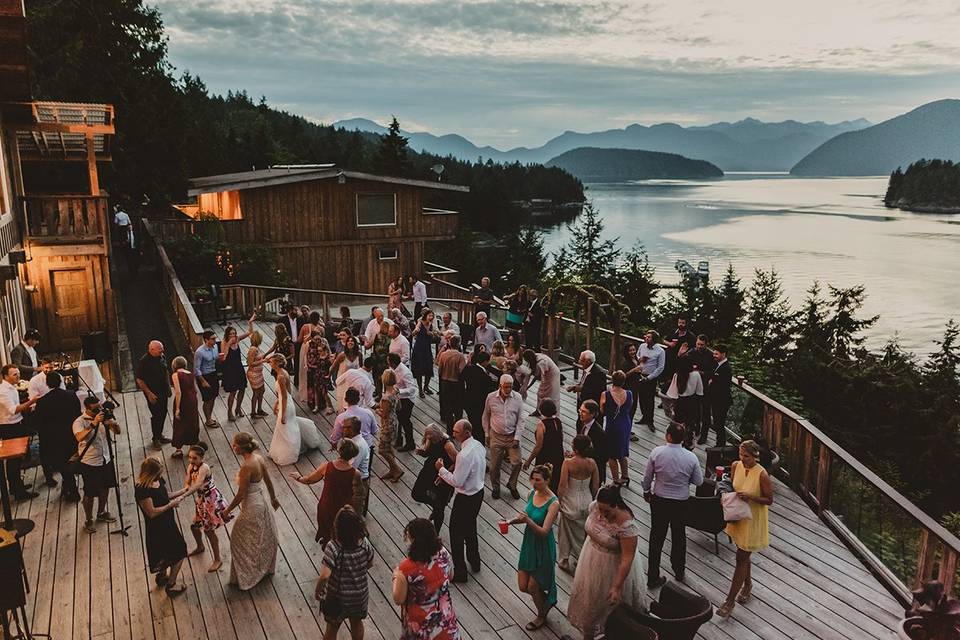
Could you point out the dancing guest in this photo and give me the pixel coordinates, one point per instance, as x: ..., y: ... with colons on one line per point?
x: 341, y: 482
x: 421, y: 358
x: 511, y: 348
x: 346, y: 322
x: 498, y: 355
x: 653, y: 360
x: 154, y: 381
x: 503, y: 424
x: 312, y: 325
x: 615, y: 406
x: 418, y: 293
x: 361, y: 462
x: 394, y: 293
x: 752, y: 483
x: 399, y: 344
x: 670, y: 471
x: 234, y: 376
x: 421, y: 586
x: 450, y: 364
x: 186, y: 414
x: 292, y: 322
x: 632, y: 368
x: 354, y: 409
x: 518, y: 303
x: 253, y: 540
x: 347, y: 359
x: 467, y: 481
x: 608, y: 570
x: 166, y: 548
x: 544, y: 369
x: 389, y: 403
x: 373, y: 326
x: 426, y: 490
x: 255, y: 375
x: 55, y: 414
x: 579, y: 482
x: 686, y: 390
x: 398, y: 318
x: 291, y: 435
x: 360, y: 379
x: 282, y: 345
x: 548, y: 447
x: 477, y: 385
x: 589, y: 425
x: 210, y: 509
x: 316, y: 358
x: 405, y: 392
x: 447, y: 324
x: 379, y: 351
x: 485, y: 333
x: 538, y: 553
x: 205, y: 367
x: 342, y: 584
x: 593, y: 380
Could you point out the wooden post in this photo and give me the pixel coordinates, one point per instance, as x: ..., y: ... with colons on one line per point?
x: 823, y: 479
x: 92, y: 166
x: 326, y: 309
x: 948, y: 569
x: 926, y: 552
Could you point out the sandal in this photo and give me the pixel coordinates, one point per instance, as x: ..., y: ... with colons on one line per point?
x: 396, y: 478
x: 533, y: 626
x: 725, y: 610
x: 175, y: 589
x: 744, y: 594
x: 161, y: 579
x: 177, y: 454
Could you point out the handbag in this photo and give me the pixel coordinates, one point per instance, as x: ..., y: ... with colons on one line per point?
x: 514, y: 319
x: 735, y: 508
x: 332, y: 606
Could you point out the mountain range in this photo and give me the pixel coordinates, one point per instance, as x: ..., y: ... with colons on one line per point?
x: 746, y: 145
x: 622, y: 165
x: 931, y: 131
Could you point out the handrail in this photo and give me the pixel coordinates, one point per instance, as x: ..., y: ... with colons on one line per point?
x: 187, y: 318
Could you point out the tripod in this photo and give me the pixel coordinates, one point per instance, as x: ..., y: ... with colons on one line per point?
x: 122, y: 529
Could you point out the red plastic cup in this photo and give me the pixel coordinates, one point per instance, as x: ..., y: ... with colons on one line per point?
x: 719, y: 470
x: 504, y: 527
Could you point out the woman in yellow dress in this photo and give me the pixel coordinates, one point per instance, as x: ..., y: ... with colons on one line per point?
x: 752, y: 483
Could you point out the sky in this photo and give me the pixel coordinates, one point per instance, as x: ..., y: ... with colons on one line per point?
x: 516, y: 73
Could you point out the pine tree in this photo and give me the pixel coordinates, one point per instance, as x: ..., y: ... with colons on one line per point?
x: 391, y: 156
x: 636, y: 285
x: 593, y: 260
x: 769, y: 322
x: 729, y: 306
x: 525, y: 259
x: 811, y: 331
x: 843, y: 328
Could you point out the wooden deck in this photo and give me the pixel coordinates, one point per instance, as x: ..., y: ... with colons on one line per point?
x: 807, y: 584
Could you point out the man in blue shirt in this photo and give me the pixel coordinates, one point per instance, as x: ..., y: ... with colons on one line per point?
x: 653, y: 359
x: 205, y: 369
x: 670, y: 471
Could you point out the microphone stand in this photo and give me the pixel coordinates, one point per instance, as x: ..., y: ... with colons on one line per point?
x: 122, y: 529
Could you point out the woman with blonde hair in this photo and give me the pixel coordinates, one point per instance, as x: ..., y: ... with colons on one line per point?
x: 253, y: 540
x: 387, y: 410
x: 255, y: 375
x: 166, y: 548
x: 752, y: 484
x: 186, y: 411
x: 498, y: 355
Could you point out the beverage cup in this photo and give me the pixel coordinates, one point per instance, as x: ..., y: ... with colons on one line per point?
x: 719, y: 471
x: 504, y: 526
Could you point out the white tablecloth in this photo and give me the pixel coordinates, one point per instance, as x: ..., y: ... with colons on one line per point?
x: 90, y: 375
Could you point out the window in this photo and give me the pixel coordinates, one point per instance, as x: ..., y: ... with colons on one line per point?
x: 386, y: 254
x: 376, y: 209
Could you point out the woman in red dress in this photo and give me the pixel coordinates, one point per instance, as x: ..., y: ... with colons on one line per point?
x: 421, y: 586
x: 186, y: 413
x: 341, y: 482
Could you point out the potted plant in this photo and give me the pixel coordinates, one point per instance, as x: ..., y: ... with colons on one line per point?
x: 934, y: 615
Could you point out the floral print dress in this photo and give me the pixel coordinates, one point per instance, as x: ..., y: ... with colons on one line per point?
x: 428, y: 612
x: 209, y: 502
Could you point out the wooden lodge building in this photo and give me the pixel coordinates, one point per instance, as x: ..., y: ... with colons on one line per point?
x: 330, y: 228
x: 54, y: 224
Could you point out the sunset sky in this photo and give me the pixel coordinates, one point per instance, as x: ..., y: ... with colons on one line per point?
x: 511, y: 73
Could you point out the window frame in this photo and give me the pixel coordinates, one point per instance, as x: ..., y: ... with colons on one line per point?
x: 380, y: 250
x: 376, y: 224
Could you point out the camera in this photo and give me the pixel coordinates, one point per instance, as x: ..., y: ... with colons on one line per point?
x: 106, y: 408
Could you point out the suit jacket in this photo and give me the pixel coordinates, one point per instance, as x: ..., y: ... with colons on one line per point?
x: 53, y: 416
x: 477, y: 386
x: 284, y: 319
x: 593, y: 385
x: 720, y: 382
x: 20, y: 357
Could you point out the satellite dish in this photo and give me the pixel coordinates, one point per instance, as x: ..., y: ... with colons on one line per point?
x: 437, y: 169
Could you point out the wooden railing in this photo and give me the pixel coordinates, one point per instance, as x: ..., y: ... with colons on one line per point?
x: 893, y: 537
x: 190, y: 327
x: 65, y: 218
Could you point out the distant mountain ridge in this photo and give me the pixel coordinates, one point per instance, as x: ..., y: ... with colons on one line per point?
x: 747, y: 145
x: 591, y: 164
x: 930, y: 131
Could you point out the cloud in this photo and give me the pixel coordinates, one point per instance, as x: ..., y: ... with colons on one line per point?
x: 486, y: 68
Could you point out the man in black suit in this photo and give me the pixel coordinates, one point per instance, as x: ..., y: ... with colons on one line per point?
x: 588, y: 424
x: 293, y: 321
x: 477, y: 385
x: 533, y: 323
x: 55, y: 414
x: 701, y: 359
x: 718, y: 396
x: 24, y: 354
x: 594, y: 380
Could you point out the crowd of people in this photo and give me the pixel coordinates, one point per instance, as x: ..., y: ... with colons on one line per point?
x: 370, y: 374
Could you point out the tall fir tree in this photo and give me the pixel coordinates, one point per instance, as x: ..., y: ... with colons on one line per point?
x: 769, y: 322
x: 728, y: 310
x: 391, y: 158
x: 844, y: 329
x: 593, y: 260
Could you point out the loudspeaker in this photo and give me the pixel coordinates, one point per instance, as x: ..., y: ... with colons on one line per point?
x: 8, y: 272
x: 96, y: 346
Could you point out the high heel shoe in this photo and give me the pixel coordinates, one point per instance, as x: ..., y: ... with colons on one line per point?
x: 744, y: 594
x: 725, y: 609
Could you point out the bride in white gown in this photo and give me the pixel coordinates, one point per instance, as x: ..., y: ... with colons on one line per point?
x: 291, y: 435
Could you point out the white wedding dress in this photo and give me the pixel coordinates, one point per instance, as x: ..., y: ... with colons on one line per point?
x: 292, y: 436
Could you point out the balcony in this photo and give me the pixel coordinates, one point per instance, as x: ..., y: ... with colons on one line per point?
x: 65, y: 219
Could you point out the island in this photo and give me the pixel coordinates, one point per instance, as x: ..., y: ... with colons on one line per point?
x: 592, y: 164
x: 930, y: 186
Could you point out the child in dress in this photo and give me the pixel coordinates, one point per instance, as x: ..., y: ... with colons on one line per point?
x: 318, y: 372
x: 210, y: 505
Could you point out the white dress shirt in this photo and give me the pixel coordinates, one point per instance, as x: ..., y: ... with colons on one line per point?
x: 694, y: 386
x: 9, y: 399
x: 401, y: 346
x: 504, y: 416
x: 406, y: 384
x: 419, y: 292
x: 293, y: 328
x: 38, y: 386
x: 371, y: 331
x: 359, y: 379
x: 362, y: 462
x: 469, y: 468
x: 486, y: 335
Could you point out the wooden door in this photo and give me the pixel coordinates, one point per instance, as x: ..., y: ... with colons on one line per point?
x: 71, y: 315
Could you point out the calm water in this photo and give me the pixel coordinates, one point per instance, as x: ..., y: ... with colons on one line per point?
x: 835, y: 230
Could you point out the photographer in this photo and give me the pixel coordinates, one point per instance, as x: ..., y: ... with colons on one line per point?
x: 96, y: 467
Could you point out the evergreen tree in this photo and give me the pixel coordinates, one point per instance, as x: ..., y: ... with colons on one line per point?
x: 593, y: 260
x: 812, y: 334
x: 729, y: 309
x: 769, y: 322
x: 391, y: 158
x: 525, y: 258
x: 637, y: 286
x: 843, y: 328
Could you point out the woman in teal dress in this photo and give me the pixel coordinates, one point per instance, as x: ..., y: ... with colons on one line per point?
x: 536, y: 569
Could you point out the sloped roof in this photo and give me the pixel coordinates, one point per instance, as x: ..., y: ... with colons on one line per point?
x: 286, y: 175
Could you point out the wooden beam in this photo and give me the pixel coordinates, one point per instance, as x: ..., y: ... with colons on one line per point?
x: 45, y: 250
x: 58, y: 127
x: 92, y: 166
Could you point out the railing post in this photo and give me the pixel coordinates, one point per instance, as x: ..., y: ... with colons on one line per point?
x: 948, y: 569
x: 824, y: 479
x: 926, y: 553
x: 325, y: 304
